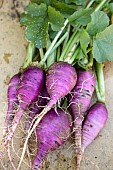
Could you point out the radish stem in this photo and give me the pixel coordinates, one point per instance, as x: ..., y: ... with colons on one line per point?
x: 53, y: 43
x: 29, y: 56
x: 100, y: 89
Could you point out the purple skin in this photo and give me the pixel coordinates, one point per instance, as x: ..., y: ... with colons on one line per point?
x: 52, y: 132
x: 31, y: 84
x: 61, y: 79
x: 12, y: 102
x: 94, y: 123
x: 80, y: 101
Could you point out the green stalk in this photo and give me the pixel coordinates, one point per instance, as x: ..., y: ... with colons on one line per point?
x: 100, y: 82
x: 58, y: 53
x: 53, y: 43
x: 100, y: 5
x: 72, y: 59
x: 41, y: 53
x: 90, y: 63
x: 59, y: 42
x: 90, y: 3
x: 69, y: 46
x: 67, y: 38
x: 97, y: 92
x: 29, y: 56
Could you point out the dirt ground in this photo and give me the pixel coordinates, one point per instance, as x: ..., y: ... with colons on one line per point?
x: 99, y: 155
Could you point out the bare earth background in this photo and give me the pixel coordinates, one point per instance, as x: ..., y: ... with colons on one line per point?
x: 99, y: 155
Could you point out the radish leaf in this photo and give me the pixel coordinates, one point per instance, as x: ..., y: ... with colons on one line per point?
x: 103, y: 45
x: 99, y: 21
x: 84, y: 40
x: 56, y: 19
x: 37, y: 19
x: 81, y: 17
x: 36, y: 10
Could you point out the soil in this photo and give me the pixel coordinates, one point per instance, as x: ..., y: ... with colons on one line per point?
x: 99, y: 155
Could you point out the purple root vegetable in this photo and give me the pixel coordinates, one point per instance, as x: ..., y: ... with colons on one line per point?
x: 31, y: 84
x: 12, y: 102
x: 52, y: 132
x: 60, y: 80
x: 94, y: 123
x: 80, y: 101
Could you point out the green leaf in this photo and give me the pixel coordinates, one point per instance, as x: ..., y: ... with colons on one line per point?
x: 27, y: 19
x: 36, y: 10
x: 81, y: 17
x: 64, y: 8
x: 56, y: 19
x: 77, y: 2
x: 38, y: 33
x: 36, y: 21
x: 103, y: 45
x: 84, y: 40
x: 59, y: 5
x: 80, y: 2
x: 110, y: 6
x: 99, y: 21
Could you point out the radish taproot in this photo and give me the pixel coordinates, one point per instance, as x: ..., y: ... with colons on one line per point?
x: 60, y: 80
x: 12, y: 102
x: 31, y: 84
x: 52, y: 132
x: 94, y: 123
x: 79, y: 102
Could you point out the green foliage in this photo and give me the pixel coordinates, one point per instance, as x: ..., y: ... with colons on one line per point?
x: 37, y: 18
x: 84, y: 40
x: 99, y: 21
x: 103, y: 45
x: 81, y: 17
x: 56, y: 19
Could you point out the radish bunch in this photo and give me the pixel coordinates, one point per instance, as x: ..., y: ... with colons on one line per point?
x: 30, y: 90
x: 62, y: 69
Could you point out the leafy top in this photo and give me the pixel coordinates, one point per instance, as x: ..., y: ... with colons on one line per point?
x: 37, y: 18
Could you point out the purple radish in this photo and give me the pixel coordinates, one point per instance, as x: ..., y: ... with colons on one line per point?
x: 31, y: 84
x: 80, y: 101
x: 94, y: 123
x: 12, y: 102
x: 52, y: 132
x: 60, y: 80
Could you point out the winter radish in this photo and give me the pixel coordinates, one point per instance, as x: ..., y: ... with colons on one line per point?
x: 93, y: 124
x: 60, y: 80
x: 12, y: 102
x: 31, y: 84
x: 80, y: 101
x: 52, y: 132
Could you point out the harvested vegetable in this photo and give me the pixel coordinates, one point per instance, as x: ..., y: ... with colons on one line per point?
x: 66, y: 35
x: 31, y: 84
x: 12, y: 102
x: 52, y: 131
x: 80, y: 102
x: 95, y: 121
x: 58, y: 84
